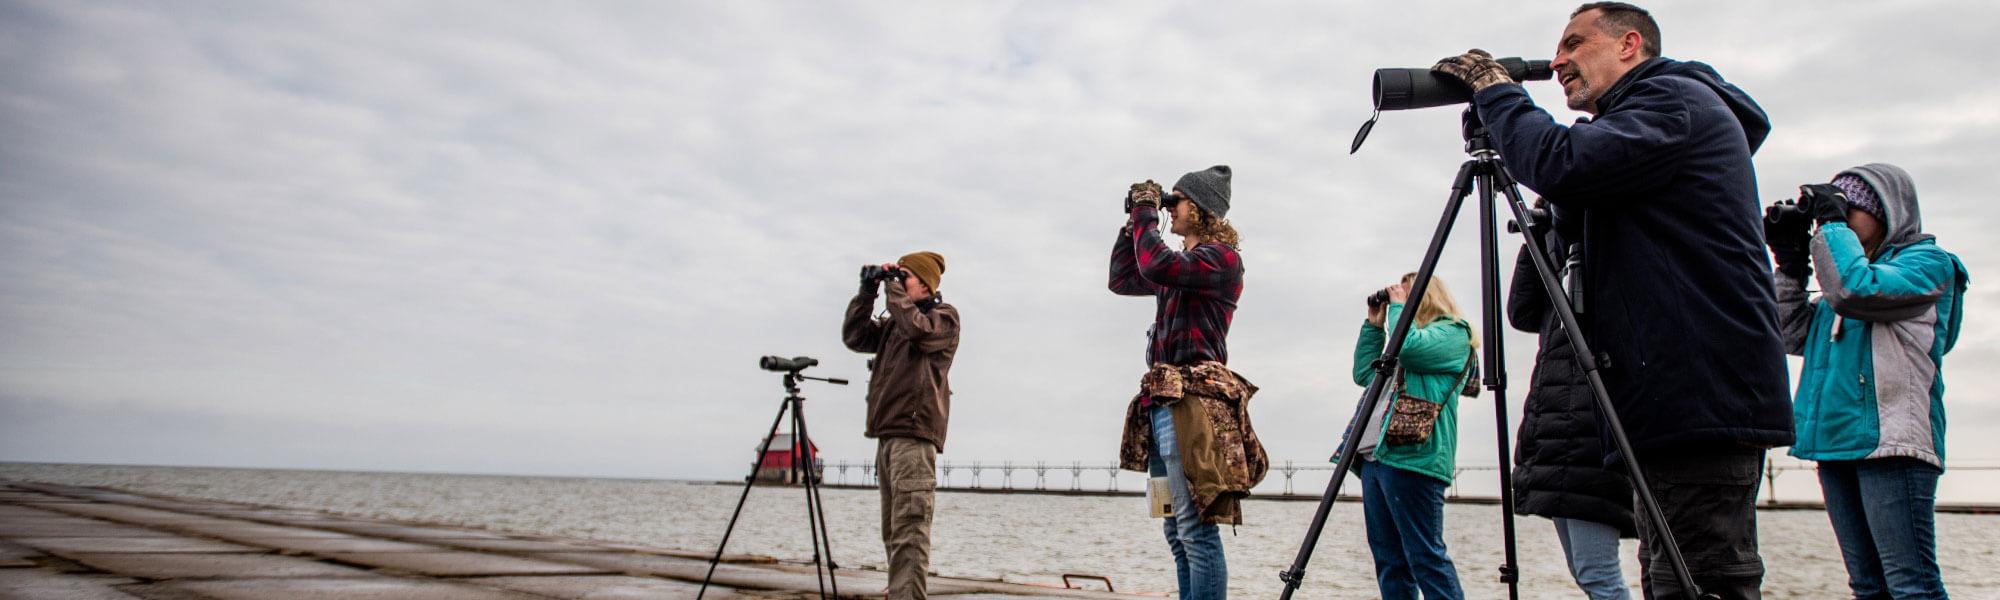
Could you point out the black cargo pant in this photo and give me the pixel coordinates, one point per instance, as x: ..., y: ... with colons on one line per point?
x: 1710, y: 501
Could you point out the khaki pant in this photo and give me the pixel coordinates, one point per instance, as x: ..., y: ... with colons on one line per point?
x: 907, y: 472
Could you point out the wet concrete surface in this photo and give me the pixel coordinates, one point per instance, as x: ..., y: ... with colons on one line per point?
x: 330, y: 545
x: 148, y: 545
x: 81, y: 543
x: 210, y: 566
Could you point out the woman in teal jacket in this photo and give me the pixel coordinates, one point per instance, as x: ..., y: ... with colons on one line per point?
x: 1403, y: 485
x: 1870, y: 405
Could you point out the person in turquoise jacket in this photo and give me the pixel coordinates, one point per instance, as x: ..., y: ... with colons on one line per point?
x: 1870, y: 403
x: 1403, y: 485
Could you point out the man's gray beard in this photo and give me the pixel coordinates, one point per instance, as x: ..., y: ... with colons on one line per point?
x: 1585, y: 99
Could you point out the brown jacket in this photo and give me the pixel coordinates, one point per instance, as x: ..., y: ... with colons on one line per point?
x: 1220, y: 453
x: 909, y: 391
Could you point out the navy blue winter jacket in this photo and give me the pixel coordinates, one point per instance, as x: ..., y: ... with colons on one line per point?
x: 1677, y: 286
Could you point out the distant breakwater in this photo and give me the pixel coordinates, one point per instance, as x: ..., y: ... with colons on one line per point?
x: 1954, y: 508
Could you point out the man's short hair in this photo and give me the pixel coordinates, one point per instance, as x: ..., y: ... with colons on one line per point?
x: 1619, y: 17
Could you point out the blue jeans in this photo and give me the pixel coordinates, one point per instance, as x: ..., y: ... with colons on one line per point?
x: 1882, y: 513
x: 1405, y: 514
x: 1591, y: 548
x: 1197, y: 546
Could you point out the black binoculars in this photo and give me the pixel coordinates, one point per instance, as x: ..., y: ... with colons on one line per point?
x: 1167, y: 201
x: 1377, y: 299
x: 877, y: 273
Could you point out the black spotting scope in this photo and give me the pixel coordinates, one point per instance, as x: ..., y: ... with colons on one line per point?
x: 1403, y: 89
x: 782, y: 364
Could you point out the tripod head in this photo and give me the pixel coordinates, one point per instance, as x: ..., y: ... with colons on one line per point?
x: 1477, y: 143
x: 791, y: 367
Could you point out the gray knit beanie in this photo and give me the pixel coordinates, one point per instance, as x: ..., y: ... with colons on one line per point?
x: 1209, y: 188
x: 1860, y: 196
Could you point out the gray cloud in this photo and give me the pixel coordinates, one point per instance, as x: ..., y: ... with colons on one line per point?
x: 509, y: 237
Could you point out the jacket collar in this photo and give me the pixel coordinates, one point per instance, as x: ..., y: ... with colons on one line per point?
x: 1619, y: 89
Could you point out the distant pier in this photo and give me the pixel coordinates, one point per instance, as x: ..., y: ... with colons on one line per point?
x: 1082, y: 481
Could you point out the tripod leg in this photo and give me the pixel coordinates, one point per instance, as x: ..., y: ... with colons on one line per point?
x: 1587, y: 362
x: 803, y: 475
x: 814, y: 501
x: 1496, y: 364
x: 762, y: 450
x: 1384, y: 369
x: 819, y: 507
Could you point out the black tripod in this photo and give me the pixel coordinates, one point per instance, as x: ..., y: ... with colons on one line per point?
x: 808, y: 477
x: 1485, y: 172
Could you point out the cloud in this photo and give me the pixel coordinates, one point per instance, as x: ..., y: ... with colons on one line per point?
x: 473, y: 225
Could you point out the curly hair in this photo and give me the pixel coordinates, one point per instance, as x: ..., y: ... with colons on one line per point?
x: 1215, y: 229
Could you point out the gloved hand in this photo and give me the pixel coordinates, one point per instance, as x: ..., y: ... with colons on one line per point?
x: 1146, y: 193
x: 868, y: 279
x: 1476, y: 68
x: 1788, y: 233
x: 1824, y: 201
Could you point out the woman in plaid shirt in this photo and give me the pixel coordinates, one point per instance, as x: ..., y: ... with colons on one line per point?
x: 1194, y: 290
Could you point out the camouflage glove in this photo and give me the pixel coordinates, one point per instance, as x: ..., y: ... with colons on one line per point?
x: 1144, y: 194
x: 1476, y: 68
x: 1824, y: 201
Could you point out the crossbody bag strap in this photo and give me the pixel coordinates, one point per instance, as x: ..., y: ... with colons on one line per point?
x: 1465, y: 374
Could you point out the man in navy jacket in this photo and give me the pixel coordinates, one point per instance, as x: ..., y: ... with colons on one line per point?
x: 1680, y: 305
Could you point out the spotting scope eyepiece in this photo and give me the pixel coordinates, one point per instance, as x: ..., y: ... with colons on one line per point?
x: 786, y: 365
x: 1404, y: 89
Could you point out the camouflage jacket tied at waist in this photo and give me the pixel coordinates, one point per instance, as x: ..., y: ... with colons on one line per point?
x: 1220, y: 453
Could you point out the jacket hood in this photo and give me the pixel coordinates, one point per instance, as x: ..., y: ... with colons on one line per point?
x: 1756, y: 124
x: 1899, y: 202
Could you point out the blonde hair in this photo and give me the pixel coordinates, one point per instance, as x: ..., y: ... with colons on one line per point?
x: 1215, y: 229
x: 1438, y: 303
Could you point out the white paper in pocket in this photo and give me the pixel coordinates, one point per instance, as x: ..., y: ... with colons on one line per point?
x: 1160, y: 497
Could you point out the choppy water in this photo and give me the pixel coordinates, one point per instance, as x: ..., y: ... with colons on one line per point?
x: 1019, y: 537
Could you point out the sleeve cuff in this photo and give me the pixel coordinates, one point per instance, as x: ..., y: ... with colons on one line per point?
x: 1493, y: 93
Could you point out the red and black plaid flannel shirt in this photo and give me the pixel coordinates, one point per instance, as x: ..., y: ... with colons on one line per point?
x: 1195, y: 291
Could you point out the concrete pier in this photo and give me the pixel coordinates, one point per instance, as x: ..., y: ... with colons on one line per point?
x: 65, y: 542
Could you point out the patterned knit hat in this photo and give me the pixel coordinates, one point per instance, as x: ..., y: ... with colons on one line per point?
x: 927, y: 266
x: 1860, y: 196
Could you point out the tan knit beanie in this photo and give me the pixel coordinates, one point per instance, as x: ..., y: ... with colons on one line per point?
x: 928, y: 266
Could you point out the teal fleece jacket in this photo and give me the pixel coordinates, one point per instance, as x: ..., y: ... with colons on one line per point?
x: 1433, y: 361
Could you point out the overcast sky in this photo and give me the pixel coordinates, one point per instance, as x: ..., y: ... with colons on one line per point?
x: 553, y: 238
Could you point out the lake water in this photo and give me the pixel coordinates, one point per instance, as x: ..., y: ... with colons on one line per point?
x: 1015, y: 537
